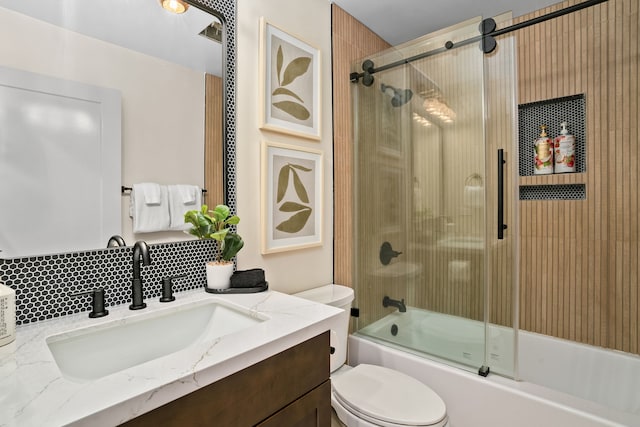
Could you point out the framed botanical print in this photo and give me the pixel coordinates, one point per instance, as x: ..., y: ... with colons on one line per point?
x: 291, y: 197
x: 290, y: 83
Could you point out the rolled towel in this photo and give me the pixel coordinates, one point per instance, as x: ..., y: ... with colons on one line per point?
x: 247, y: 278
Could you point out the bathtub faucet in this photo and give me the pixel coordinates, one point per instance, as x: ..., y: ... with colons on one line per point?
x: 386, y: 302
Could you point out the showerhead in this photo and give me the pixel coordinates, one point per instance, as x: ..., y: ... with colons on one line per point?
x: 399, y: 97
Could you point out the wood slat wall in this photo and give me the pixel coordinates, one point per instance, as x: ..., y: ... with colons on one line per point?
x: 350, y: 41
x: 213, y: 147
x: 579, y: 259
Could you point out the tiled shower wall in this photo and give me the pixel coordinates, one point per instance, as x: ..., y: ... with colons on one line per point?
x: 579, y: 273
x: 43, y: 284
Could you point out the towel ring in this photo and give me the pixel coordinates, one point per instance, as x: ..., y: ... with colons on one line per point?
x: 475, y: 179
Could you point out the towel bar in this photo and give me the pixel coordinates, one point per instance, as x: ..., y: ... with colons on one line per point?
x: 127, y: 190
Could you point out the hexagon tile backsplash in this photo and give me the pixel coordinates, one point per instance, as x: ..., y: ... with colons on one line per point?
x: 43, y: 284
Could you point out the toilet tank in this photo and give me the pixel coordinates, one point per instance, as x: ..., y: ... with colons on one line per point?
x: 341, y: 297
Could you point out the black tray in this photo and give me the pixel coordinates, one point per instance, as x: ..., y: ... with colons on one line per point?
x: 260, y: 288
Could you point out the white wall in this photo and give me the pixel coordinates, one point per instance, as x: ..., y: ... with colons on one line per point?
x: 309, y: 20
x: 155, y: 147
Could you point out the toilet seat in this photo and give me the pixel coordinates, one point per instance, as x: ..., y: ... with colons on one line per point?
x: 389, y: 398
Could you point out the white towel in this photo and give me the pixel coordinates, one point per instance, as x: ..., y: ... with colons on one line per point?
x: 188, y: 193
x: 151, y: 193
x: 148, y: 218
x: 183, y: 198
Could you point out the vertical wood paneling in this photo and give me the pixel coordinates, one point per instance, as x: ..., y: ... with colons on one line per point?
x: 350, y: 41
x: 213, y: 149
x: 579, y: 259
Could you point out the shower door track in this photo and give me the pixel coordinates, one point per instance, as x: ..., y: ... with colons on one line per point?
x: 487, y: 38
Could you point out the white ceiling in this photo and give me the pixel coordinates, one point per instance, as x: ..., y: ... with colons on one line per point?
x: 143, y: 26
x: 398, y: 21
x: 140, y: 25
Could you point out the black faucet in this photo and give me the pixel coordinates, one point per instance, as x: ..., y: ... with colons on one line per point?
x: 386, y: 302
x: 387, y: 253
x: 140, y: 254
x: 115, y: 241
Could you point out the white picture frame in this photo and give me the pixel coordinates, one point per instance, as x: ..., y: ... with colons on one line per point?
x: 292, y: 191
x: 289, y: 83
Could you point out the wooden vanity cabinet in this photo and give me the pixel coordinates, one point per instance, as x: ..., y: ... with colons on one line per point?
x: 289, y: 389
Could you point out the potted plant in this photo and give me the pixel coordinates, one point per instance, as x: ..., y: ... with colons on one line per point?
x: 215, y: 224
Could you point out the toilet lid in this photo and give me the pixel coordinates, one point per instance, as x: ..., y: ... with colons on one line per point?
x: 389, y: 396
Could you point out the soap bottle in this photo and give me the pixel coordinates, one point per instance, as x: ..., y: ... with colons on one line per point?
x: 543, y: 151
x: 565, y: 151
x: 7, y: 315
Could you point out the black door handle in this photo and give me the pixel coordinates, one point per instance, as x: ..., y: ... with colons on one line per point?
x: 501, y: 225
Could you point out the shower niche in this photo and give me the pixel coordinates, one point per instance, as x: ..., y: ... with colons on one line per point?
x: 552, y: 112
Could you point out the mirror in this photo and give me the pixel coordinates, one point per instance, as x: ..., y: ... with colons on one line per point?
x: 163, y: 117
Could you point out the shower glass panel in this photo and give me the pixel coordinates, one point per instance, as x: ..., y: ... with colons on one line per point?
x: 420, y: 183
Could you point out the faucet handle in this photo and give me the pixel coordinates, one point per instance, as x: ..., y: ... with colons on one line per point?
x: 167, y: 287
x: 97, y: 302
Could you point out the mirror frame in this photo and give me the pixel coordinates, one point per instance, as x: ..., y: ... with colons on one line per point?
x: 225, y: 10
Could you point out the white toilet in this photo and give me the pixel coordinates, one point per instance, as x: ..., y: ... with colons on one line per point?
x: 369, y: 395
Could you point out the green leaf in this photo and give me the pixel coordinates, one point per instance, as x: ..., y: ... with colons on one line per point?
x: 219, y: 235
x: 300, y: 167
x: 232, y: 245
x: 279, y: 59
x: 285, y: 91
x: 296, y: 222
x: 292, y: 207
x: 295, y: 69
x: 234, y: 220
x: 299, y: 186
x: 221, y: 212
x: 293, y: 109
x: 283, y: 182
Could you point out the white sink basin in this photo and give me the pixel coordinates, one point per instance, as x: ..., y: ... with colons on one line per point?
x: 94, y: 352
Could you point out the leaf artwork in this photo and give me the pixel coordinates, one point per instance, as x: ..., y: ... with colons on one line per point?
x: 294, y: 69
x: 297, y: 221
x: 283, y: 182
x: 300, y: 190
x: 293, y: 109
x: 285, y: 91
x: 279, y: 59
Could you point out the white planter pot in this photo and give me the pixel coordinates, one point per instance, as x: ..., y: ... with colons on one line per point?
x: 219, y: 275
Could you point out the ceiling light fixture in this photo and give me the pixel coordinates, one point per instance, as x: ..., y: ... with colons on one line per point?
x: 175, y: 6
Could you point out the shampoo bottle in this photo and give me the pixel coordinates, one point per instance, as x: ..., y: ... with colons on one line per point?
x: 7, y: 315
x: 565, y: 151
x: 543, y: 152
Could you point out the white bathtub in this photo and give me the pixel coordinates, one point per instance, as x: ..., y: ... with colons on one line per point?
x: 453, y: 338
x: 563, y: 383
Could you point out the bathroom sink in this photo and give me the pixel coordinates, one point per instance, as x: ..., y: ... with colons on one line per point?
x: 462, y: 242
x: 94, y: 352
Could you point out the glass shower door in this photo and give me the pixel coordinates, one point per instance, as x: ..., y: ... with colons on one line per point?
x: 420, y: 174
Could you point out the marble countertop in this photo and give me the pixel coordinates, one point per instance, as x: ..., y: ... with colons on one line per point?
x: 33, y: 392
